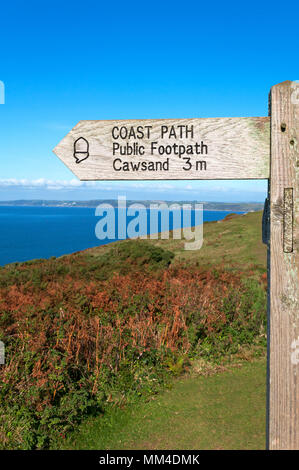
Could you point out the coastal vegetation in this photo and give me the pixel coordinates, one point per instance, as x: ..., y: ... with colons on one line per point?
x: 113, y: 325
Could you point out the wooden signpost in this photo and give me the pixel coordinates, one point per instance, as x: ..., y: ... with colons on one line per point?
x: 223, y: 148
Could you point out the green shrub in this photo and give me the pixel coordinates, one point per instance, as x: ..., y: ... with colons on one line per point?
x: 84, y: 333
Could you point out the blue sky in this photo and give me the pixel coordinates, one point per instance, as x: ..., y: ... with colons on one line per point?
x: 66, y: 61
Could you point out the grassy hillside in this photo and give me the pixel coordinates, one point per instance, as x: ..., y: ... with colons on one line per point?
x: 226, y: 410
x: 234, y: 243
x: 111, y: 325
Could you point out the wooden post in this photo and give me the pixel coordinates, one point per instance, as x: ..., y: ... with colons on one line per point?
x: 283, y: 380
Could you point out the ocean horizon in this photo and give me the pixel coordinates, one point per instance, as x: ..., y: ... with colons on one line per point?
x: 35, y: 232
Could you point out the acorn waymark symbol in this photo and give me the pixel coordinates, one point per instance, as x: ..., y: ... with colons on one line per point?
x: 81, y: 149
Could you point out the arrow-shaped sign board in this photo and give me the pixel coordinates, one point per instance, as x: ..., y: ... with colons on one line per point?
x: 170, y: 149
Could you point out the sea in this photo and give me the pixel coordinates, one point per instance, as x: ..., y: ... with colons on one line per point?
x: 28, y: 233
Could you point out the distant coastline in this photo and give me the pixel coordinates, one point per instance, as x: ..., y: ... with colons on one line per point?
x: 210, y: 206
x: 38, y: 232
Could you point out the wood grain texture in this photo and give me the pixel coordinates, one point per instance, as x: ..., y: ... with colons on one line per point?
x: 238, y: 148
x: 288, y: 220
x: 283, y: 424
